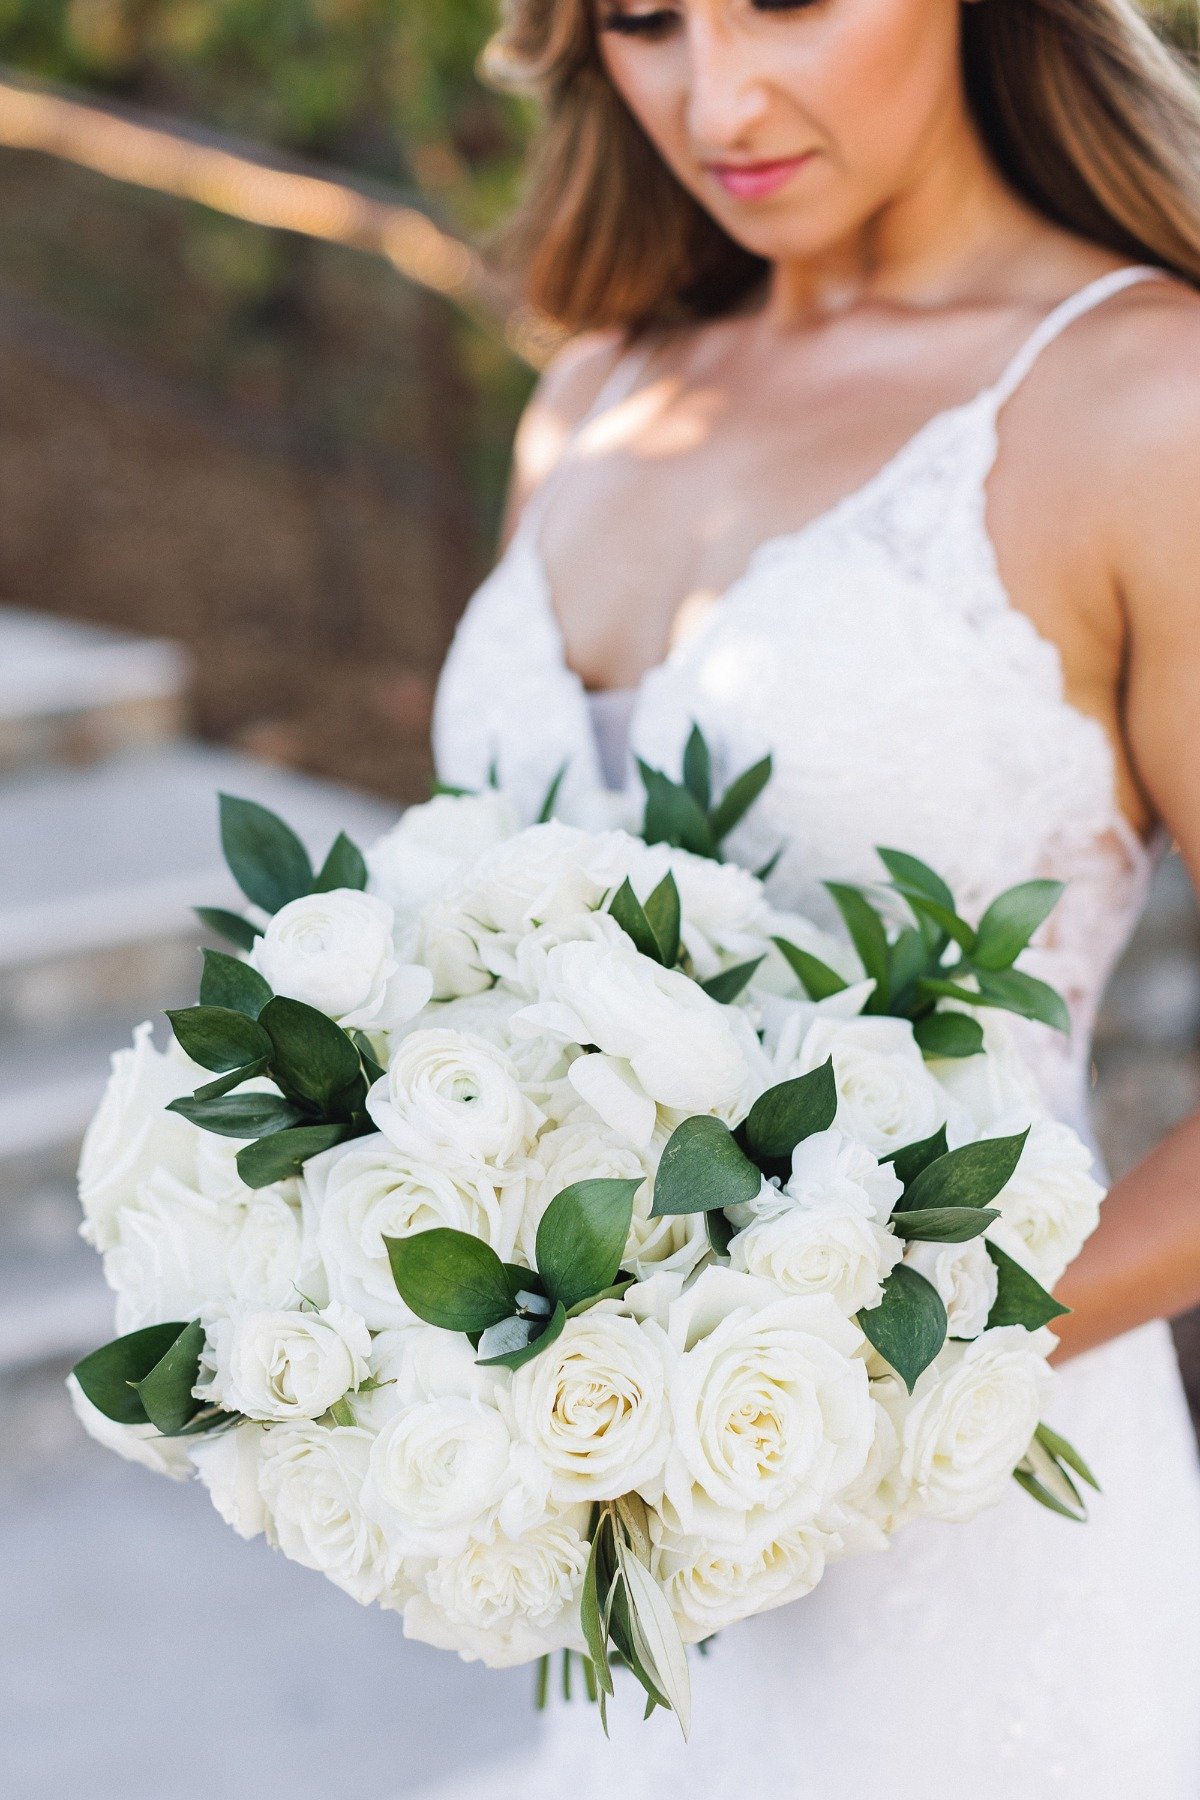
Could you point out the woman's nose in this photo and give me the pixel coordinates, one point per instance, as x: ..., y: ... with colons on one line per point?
x: 727, y: 90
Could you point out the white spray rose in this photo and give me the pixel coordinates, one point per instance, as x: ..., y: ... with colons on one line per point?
x: 335, y: 952
x: 361, y: 1192
x: 432, y: 845
x: 770, y: 1405
x: 1051, y: 1205
x: 131, y: 1134
x: 593, y: 1407
x: 453, y: 1098
x: 227, y: 1462
x: 285, y: 1365
x: 311, y: 1481
x: 970, y: 1422
x: 965, y: 1278
x: 886, y: 1095
x: 506, y: 1600
x: 710, y: 1584
x: 136, y: 1443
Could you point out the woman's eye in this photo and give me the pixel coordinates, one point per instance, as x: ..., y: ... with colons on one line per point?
x: 643, y: 24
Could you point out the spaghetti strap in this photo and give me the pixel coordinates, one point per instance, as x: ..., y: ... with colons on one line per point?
x: 1056, y: 322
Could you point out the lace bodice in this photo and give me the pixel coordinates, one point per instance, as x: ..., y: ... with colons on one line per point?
x: 905, y: 700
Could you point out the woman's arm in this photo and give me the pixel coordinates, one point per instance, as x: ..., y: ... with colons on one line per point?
x: 1143, y: 1262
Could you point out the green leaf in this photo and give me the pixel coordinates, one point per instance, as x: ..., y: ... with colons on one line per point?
x: 229, y: 925
x: 218, y: 1038
x: 785, y: 1115
x: 943, y: 918
x: 943, y: 1224
x: 869, y: 937
x: 166, y: 1391
x: 971, y: 1176
x: 227, y: 981
x: 312, y: 1058
x: 630, y: 915
x: 739, y: 797
x: 729, y: 984
x: 284, y: 1153
x: 581, y: 1238
x: 239, y: 1115
x: 267, y: 859
x: 1020, y: 1300
x: 672, y: 815
x: 450, y: 1279
x: 656, y: 1632
x: 665, y: 917
x: 909, y: 1325
x: 374, y: 1071
x: 546, y: 810
x: 909, y: 956
x: 772, y: 863
x: 344, y: 867
x: 908, y: 872
x: 544, y: 1332
x: 1011, y: 920
x: 590, y: 1618
x: 1024, y: 995
x: 703, y: 1169
x: 818, y: 980
x: 909, y: 1161
x: 949, y: 1034
x: 225, y: 1084
x: 720, y: 1233
x: 1033, y: 1487
x: 109, y: 1376
x: 697, y: 769
x: 1062, y: 1451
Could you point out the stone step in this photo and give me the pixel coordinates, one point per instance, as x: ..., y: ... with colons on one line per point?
x: 71, y: 693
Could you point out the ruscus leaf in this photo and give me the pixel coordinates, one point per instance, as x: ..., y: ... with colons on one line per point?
x: 703, y: 1169
x: 908, y: 1327
x: 451, y: 1279
x: 267, y: 859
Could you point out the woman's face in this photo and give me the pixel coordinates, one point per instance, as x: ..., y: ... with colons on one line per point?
x: 794, y: 124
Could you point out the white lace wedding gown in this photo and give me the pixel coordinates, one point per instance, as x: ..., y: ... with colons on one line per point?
x: 906, y: 701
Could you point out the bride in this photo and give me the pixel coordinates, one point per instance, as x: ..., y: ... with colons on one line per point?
x: 876, y: 444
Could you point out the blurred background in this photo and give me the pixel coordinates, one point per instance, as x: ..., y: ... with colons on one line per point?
x: 258, y: 393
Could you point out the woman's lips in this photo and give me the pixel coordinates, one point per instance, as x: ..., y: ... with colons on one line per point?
x: 754, y: 181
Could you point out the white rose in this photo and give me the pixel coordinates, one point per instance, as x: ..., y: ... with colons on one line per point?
x: 578, y: 1149
x: 446, y: 1465
x: 965, y: 1277
x: 710, y: 1585
x: 506, y: 1600
x: 227, y: 1462
x: 171, y: 1252
x: 833, y: 1247
x: 311, y: 1482
x: 970, y: 1422
x: 131, y: 1134
x: 886, y: 1095
x: 335, y: 952
x: 361, y: 1192
x: 995, y: 1089
x: 433, y: 844
x: 661, y: 1040
x: 269, y: 1263
x: 136, y: 1443
x: 285, y: 1365
x: 830, y: 1166
x: 1051, y: 1205
x: 593, y: 1407
x: 454, y: 1098
x: 770, y: 1406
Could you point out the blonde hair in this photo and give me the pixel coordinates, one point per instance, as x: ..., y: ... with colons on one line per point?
x: 1084, y: 109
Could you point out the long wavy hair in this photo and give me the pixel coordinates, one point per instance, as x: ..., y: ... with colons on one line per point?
x: 1083, y: 108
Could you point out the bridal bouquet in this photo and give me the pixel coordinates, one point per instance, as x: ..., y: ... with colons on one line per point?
x: 541, y: 1235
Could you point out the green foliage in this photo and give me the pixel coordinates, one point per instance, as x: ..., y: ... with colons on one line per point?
x: 908, y: 1327
x: 683, y: 813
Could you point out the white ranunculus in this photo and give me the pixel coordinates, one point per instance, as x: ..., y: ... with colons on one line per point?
x: 310, y: 1478
x: 136, y: 1443
x: 659, y: 1036
x: 335, y: 952
x: 171, y: 1251
x: 593, y: 1407
x: 454, y: 1098
x: 361, y: 1192
x: 770, y: 1405
x: 131, y: 1134
x: 227, y: 1462
x: 970, y: 1422
x: 710, y: 1585
x: 833, y: 1247
x: 285, y: 1365
x: 506, y: 1600
x: 432, y: 845
x: 886, y: 1095
x: 446, y: 1465
x: 1051, y: 1205
x: 965, y: 1277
